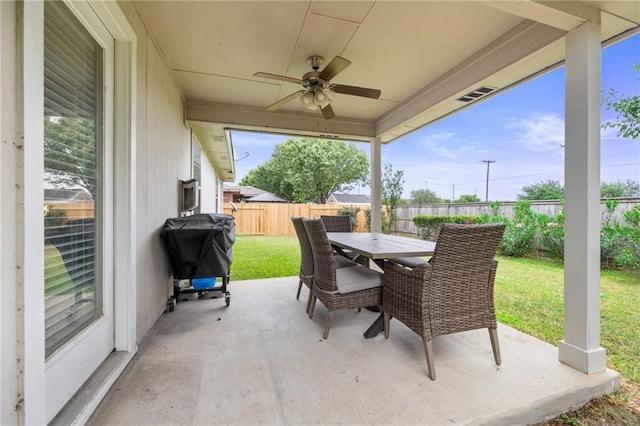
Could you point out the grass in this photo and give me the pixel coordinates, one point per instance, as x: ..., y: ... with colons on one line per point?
x: 56, y: 277
x: 528, y: 296
x: 256, y: 257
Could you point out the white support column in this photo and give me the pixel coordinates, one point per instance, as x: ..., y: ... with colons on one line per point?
x: 580, y: 347
x: 376, y: 180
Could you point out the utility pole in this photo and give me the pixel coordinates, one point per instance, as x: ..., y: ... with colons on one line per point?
x: 486, y: 194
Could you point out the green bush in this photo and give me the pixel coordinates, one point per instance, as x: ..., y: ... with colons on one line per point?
x: 609, y: 244
x: 520, y: 232
x: 352, y: 212
x: 527, y: 232
x: 551, y: 235
x: 385, y: 223
x: 429, y: 225
x: 628, y: 241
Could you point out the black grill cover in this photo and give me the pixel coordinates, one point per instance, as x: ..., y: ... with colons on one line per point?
x: 199, y: 245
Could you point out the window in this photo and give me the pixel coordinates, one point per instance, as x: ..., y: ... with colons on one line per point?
x: 73, y: 128
x: 196, y: 167
x: 196, y: 159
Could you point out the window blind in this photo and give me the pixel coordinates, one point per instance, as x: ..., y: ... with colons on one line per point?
x: 72, y: 146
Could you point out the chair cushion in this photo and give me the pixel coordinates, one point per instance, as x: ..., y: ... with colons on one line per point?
x: 410, y: 262
x: 357, y: 278
x: 343, y: 262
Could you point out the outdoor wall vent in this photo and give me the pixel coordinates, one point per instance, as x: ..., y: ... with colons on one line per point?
x: 477, y: 94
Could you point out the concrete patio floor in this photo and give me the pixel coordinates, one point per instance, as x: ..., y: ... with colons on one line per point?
x: 263, y: 361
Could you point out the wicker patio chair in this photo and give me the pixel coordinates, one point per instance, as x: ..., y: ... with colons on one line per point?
x: 342, y: 223
x: 344, y: 288
x: 306, y: 259
x: 453, y: 292
x: 339, y: 223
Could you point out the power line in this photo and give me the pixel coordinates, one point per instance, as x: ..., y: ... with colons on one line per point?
x: 543, y: 173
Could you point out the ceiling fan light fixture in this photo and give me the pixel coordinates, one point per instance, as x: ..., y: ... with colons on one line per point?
x: 321, y: 99
x: 308, y: 100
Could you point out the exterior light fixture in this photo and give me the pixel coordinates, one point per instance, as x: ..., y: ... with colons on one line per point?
x: 315, y: 98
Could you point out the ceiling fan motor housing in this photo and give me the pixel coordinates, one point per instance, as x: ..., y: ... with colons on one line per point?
x: 311, y: 81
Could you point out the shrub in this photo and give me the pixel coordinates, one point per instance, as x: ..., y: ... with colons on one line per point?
x: 551, y: 235
x: 609, y: 244
x: 429, y: 225
x: 385, y: 224
x: 629, y: 241
x: 529, y: 231
x: 352, y: 212
x: 519, y: 234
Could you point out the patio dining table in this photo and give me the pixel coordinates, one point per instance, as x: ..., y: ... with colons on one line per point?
x: 380, y: 247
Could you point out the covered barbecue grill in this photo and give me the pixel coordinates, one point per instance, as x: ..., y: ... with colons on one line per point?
x: 199, y: 246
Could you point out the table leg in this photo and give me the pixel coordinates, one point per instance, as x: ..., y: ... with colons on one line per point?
x: 375, y: 328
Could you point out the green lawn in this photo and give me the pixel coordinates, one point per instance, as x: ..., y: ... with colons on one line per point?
x: 265, y: 257
x: 528, y: 295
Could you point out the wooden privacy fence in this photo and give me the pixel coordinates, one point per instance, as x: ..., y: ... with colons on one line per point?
x: 67, y: 211
x: 275, y: 218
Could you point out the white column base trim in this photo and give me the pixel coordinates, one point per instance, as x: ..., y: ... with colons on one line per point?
x: 589, y: 361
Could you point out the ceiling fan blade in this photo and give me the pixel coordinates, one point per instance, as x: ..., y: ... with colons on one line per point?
x: 295, y: 95
x: 355, y: 90
x: 332, y: 69
x: 327, y: 112
x: 278, y: 77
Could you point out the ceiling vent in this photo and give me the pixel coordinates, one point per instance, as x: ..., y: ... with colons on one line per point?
x: 478, y: 93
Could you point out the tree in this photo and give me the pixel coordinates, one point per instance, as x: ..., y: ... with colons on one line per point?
x: 70, y: 152
x: 391, y: 191
x: 627, y: 113
x: 549, y: 190
x: 424, y: 196
x: 467, y: 198
x: 310, y: 170
x: 629, y: 188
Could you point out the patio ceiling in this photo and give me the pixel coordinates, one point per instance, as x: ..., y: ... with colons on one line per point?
x: 423, y: 55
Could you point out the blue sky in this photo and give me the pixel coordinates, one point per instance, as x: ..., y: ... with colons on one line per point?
x: 522, y: 130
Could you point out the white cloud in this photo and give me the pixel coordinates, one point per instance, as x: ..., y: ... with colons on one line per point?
x: 248, y: 140
x: 609, y: 134
x: 445, y: 145
x: 540, y: 132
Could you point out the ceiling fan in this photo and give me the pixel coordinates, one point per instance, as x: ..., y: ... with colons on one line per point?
x: 316, y: 85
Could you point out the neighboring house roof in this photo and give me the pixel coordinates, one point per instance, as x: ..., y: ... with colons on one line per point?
x: 266, y: 197
x: 349, y: 199
x: 244, y: 191
x: 67, y: 195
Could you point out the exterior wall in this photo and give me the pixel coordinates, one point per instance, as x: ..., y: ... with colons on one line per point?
x: 164, y: 157
x: 161, y: 156
x: 209, y: 187
x: 10, y: 385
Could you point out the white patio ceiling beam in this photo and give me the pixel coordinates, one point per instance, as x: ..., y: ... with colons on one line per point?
x: 239, y: 117
x: 564, y: 15
x: 514, y: 45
